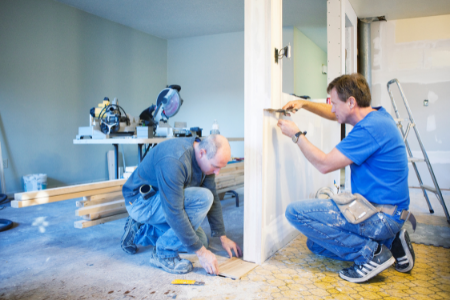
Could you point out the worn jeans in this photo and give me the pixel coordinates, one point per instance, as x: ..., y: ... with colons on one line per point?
x: 331, y: 235
x: 155, y: 230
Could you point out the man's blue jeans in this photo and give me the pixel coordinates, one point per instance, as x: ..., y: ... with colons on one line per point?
x: 331, y: 235
x: 155, y: 230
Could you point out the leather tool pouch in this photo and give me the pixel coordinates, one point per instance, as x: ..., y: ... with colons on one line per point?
x: 354, y: 207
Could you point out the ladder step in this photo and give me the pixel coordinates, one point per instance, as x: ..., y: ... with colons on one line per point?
x: 415, y: 159
x: 401, y: 120
x: 429, y: 188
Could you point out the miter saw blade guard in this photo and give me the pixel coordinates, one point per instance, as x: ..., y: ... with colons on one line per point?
x: 168, y: 104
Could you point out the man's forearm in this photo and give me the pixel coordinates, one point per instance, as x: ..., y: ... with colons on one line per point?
x: 320, y: 109
x: 313, y: 154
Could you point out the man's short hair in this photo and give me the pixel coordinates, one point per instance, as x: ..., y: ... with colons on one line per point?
x: 211, y: 144
x: 352, y: 85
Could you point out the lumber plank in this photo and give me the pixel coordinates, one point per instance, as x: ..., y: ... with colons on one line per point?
x: 231, y: 188
x: 227, y: 176
x: 38, y: 201
x: 69, y: 190
x: 107, y: 213
x: 100, y: 208
x: 106, y: 196
x: 98, y: 201
x: 85, y: 223
x: 235, y: 268
x: 232, y: 168
x: 236, y: 181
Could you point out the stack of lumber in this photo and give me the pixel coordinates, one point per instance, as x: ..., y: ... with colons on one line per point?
x: 102, y: 201
x: 99, y: 209
x: 230, y: 178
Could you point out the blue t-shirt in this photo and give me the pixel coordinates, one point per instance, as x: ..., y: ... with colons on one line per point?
x: 380, y: 164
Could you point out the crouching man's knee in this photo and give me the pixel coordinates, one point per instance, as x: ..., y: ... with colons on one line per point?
x: 197, y: 196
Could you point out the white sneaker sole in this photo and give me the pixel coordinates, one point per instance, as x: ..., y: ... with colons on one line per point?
x: 372, y: 273
x: 407, y: 253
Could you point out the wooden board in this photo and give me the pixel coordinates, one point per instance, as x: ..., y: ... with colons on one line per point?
x: 107, y: 213
x: 46, y: 200
x: 230, y: 188
x: 70, y: 189
x: 106, y: 196
x: 85, y: 203
x: 235, y: 268
x: 100, y: 208
x: 235, y: 181
x: 85, y: 224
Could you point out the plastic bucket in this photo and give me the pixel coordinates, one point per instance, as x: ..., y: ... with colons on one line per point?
x: 34, y: 182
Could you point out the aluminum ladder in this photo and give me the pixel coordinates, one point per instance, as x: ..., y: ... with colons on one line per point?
x: 436, y: 190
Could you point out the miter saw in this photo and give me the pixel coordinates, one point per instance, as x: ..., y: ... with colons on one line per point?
x: 108, y: 120
x: 168, y: 104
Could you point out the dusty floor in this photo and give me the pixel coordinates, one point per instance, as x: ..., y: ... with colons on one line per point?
x: 44, y: 257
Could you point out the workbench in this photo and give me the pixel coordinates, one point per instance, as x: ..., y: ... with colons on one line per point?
x: 131, y: 141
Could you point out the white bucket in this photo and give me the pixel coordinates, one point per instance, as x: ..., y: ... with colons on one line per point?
x: 34, y: 182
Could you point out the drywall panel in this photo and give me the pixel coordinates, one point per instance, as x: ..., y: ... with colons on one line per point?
x: 336, y: 39
x: 287, y: 174
x: 288, y: 64
x: 423, y: 70
x: 259, y: 48
x: 210, y: 71
x: 422, y: 29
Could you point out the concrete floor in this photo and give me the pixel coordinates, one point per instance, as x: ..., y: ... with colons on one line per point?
x: 45, y: 257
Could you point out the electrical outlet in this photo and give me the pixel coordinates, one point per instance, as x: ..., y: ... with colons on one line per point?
x: 5, y: 164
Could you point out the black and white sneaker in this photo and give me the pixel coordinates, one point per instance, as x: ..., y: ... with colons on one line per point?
x: 361, y: 273
x: 403, y: 252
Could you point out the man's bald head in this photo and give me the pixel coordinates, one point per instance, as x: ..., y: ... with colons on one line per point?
x: 214, y: 144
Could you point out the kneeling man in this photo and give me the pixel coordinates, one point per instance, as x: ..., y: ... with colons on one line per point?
x: 169, y: 195
x: 375, y: 151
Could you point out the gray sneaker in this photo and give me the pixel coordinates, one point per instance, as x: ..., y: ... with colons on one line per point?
x: 403, y: 252
x: 360, y: 273
x: 174, y: 265
x: 130, y: 229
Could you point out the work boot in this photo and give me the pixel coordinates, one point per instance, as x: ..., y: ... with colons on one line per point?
x: 403, y: 252
x: 127, y: 242
x: 381, y: 260
x: 174, y: 265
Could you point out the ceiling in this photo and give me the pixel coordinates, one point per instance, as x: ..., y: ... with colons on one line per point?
x: 400, y: 9
x: 171, y: 19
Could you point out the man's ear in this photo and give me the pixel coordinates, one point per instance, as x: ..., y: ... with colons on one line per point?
x: 352, y: 102
x: 202, y: 153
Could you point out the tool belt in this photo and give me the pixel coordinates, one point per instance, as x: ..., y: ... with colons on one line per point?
x: 357, y: 209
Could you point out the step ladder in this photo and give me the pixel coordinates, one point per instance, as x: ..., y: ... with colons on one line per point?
x: 436, y: 190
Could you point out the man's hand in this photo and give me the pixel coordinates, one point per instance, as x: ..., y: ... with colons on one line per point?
x: 229, y: 245
x: 294, y: 105
x: 288, y: 128
x: 208, y: 260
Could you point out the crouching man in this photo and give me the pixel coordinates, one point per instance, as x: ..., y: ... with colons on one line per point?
x: 167, y: 198
x: 375, y: 151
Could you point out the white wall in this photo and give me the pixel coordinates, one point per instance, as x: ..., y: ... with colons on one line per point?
x: 308, y: 61
x: 56, y: 62
x: 417, y: 53
x: 288, y: 64
x: 210, y: 71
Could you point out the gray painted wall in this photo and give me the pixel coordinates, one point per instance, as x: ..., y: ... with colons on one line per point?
x: 210, y: 70
x: 423, y: 68
x: 56, y: 62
